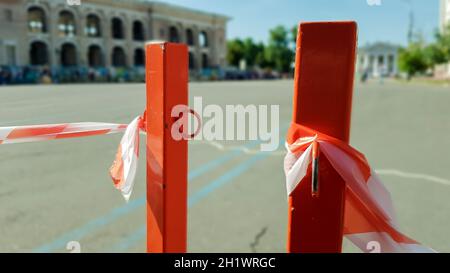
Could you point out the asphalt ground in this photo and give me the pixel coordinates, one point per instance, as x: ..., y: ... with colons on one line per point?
x: 59, y: 191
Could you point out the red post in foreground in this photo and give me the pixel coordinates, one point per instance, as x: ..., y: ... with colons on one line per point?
x: 167, y: 86
x: 323, y: 87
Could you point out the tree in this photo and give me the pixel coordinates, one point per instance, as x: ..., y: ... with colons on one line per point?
x: 435, y: 54
x: 413, y: 59
x: 260, y: 59
x: 418, y: 57
x: 278, y: 54
x: 235, y: 52
x: 247, y: 50
x: 252, y: 51
x: 439, y: 51
x: 278, y: 37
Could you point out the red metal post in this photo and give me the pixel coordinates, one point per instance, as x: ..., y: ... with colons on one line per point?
x: 167, y: 86
x: 324, y: 72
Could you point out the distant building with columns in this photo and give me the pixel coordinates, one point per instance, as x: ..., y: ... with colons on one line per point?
x: 378, y: 59
x: 105, y: 33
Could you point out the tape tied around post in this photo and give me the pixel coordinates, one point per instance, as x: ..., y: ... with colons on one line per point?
x: 366, y: 199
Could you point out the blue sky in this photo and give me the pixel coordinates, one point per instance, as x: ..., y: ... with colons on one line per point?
x: 387, y: 22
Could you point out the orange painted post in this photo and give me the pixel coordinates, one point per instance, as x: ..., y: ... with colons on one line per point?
x: 167, y: 86
x: 324, y: 72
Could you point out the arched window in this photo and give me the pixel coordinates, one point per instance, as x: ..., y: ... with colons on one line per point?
x: 66, y: 24
x: 191, y: 60
x: 93, y: 26
x: 138, y: 31
x: 95, y: 56
x: 205, y: 61
x: 38, y: 53
x: 189, y: 37
x: 119, y: 58
x: 139, y: 57
x: 68, y: 55
x: 117, y: 30
x: 203, y: 39
x: 174, y: 36
x: 37, y: 22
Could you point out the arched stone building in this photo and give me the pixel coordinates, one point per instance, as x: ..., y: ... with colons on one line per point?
x: 105, y: 33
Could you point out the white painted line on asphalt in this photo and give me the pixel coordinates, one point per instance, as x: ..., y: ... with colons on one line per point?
x: 244, y: 149
x: 386, y: 172
x: 418, y: 176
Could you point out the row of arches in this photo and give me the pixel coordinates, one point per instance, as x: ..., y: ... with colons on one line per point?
x: 67, y: 27
x: 174, y: 36
x: 204, y: 61
x: 95, y: 57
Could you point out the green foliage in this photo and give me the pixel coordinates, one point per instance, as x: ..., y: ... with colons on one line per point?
x: 413, y: 59
x: 251, y: 51
x: 248, y: 50
x: 279, y: 52
x: 260, y: 59
x: 278, y: 37
x: 418, y: 57
x: 235, y: 51
x: 440, y: 50
x: 435, y: 54
x: 276, y: 55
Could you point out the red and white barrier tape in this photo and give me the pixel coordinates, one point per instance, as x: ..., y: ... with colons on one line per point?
x: 34, y: 133
x: 123, y: 169
x: 369, y: 217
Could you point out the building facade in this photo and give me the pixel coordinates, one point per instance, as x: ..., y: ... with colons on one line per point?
x: 443, y: 71
x: 378, y: 59
x: 444, y: 13
x: 105, y: 33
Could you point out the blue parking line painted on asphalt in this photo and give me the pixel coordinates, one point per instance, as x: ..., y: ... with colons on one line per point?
x: 138, y: 235
x: 131, y: 240
x: 224, y: 179
x: 116, y: 213
x: 206, y: 167
x: 97, y: 223
x: 80, y: 232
